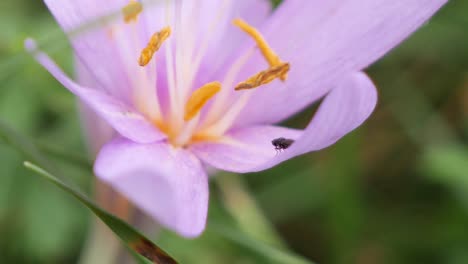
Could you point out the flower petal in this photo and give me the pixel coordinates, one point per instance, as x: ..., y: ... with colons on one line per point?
x: 96, y: 130
x: 324, y: 40
x: 92, y: 39
x: 243, y: 149
x: 224, y: 39
x: 122, y: 118
x: 250, y: 149
x: 205, y: 42
x: 169, y: 184
x: 72, y: 14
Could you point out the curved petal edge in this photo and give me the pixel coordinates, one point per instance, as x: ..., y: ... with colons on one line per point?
x: 122, y: 118
x: 168, y: 184
x: 250, y: 149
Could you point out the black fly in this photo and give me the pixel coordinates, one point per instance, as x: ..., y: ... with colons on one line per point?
x: 282, y: 143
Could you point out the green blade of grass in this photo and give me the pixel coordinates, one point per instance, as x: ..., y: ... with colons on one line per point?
x: 270, y: 253
x: 131, y: 238
x: 147, y: 251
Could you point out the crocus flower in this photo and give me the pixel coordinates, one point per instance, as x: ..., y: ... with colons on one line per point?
x: 187, y: 85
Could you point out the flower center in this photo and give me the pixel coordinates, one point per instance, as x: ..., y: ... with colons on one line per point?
x: 199, y: 98
x: 182, y: 115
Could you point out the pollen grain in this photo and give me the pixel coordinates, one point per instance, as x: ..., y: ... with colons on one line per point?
x: 131, y: 11
x: 199, y: 98
x: 154, y: 44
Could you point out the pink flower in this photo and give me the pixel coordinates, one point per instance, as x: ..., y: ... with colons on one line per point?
x: 169, y: 123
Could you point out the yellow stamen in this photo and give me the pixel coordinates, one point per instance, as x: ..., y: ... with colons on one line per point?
x: 131, y: 11
x: 264, y: 77
x: 267, y: 51
x: 154, y: 44
x: 199, y: 98
x: 201, y: 137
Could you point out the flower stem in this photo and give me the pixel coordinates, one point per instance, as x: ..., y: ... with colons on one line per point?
x: 245, y: 210
x: 103, y: 246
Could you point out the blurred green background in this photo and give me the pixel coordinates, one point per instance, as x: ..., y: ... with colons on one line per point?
x: 393, y: 191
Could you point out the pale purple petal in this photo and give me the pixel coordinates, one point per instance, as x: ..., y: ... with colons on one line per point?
x: 224, y: 40
x: 122, y: 118
x: 203, y: 37
x: 169, y: 184
x: 250, y: 149
x: 325, y: 40
x: 243, y: 149
x: 96, y: 131
x: 92, y: 39
x: 205, y: 41
x: 227, y: 43
x: 72, y: 14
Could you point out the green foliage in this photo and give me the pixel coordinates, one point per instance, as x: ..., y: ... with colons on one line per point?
x: 150, y: 253
x: 448, y: 164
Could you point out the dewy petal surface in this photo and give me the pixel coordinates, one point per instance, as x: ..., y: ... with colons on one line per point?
x: 122, y: 118
x: 325, y: 40
x: 344, y: 108
x: 169, y: 184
